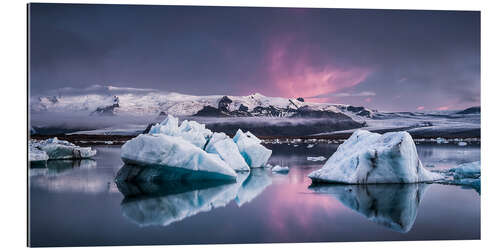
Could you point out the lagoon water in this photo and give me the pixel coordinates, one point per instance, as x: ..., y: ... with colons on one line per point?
x: 77, y: 203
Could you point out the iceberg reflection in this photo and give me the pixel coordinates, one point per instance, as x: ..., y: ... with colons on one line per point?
x: 153, y: 203
x: 391, y: 205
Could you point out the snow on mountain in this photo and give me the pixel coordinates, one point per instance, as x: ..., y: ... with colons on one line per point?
x: 117, y: 101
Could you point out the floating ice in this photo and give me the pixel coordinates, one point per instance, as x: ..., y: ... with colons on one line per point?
x: 58, y: 149
x: 466, y: 174
x: 462, y: 144
x: 368, y: 157
x: 310, y: 146
x: 225, y: 147
x: 190, y: 131
x: 391, y: 205
x: 178, y: 158
x: 318, y: 158
x: 255, y: 154
x: 37, y: 156
x: 280, y: 169
x: 440, y: 140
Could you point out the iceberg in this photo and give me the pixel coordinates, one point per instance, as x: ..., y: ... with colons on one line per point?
x: 255, y: 154
x: 37, y: 156
x: 190, y: 131
x: 175, y: 158
x: 225, y: 147
x: 280, y: 169
x: 56, y: 149
x: 368, y: 157
x: 466, y: 175
x: 391, y: 205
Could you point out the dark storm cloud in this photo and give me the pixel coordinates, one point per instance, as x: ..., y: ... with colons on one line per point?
x: 408, y: 58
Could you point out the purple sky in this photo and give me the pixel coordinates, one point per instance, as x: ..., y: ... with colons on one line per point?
x: 383, y: 59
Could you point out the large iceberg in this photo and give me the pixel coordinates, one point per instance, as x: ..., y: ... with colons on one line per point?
x: 191, y: 147
x: 368, y: 157
x: 394, y: 206
x: 56, y: 149
x: 254, y: 153
x: 176, y: 157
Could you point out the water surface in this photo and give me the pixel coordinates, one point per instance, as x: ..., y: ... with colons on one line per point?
x: 78, y: 203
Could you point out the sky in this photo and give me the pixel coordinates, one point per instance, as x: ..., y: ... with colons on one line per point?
x: 393, y: 60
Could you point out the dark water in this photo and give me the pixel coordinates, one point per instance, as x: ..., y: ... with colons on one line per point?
x: 78, y: 203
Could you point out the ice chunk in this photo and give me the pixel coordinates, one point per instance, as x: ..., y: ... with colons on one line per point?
x: 310, y: 146
x: 467, y: 175
x: 60, y: 149
x: 467, y: 170
x: 255, y: 154
x: 280, y: 169
x: 462, y: 144
x: 441, y: 140
x: 37, y: 156
x: 225, y: 147
x: 318, y: 158
x: 190, y: 131
x: 178, y: 158
x: 368, y: 157
x: 391, y: 205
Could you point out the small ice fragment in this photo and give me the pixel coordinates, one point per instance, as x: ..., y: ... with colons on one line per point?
x: 310, y: 146
x: 318, y: 158
x: 280, y: 169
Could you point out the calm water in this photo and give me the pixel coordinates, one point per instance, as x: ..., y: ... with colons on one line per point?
x: 78, y: 203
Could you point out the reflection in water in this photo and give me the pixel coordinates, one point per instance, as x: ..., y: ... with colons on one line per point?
x: 162, y: 203
x: 57, y: 167
x: 391, y: 205
x: 71, y: 176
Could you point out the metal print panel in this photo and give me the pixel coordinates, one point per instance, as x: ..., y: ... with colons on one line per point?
x: 206, y: 125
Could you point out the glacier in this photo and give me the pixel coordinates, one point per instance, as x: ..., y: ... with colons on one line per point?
x: 182, y: 159
x: 250, y: 147
x: 55, y: 149
x: 368, y: 157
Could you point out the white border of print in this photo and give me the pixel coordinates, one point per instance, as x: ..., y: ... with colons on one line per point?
x: 14, y: 98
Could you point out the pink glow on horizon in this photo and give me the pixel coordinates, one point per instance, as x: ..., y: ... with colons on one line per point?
x: 420, y: 108
x: 293, y: 75
x: 443, y: 108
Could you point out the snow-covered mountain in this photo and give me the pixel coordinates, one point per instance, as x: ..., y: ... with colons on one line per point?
x: 115, y: 101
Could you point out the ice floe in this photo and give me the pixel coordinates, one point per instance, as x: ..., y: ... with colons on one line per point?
x: 55, y: 149
x: 317, y: 158
x: 466, y: 174
x: 280, y: 169
x: 368, y: 157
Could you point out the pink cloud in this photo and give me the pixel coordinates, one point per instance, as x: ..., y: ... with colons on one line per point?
x: 420, y: 108
x: 292, y: 73
x: 368, y: 99
x: 443, y: 108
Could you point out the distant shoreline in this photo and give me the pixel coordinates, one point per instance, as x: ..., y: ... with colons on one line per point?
x: 85, y: 139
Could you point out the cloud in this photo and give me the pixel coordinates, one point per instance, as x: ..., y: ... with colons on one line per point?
x: 294, y: 73
x: 96, y: 89
x: 344, y: 94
